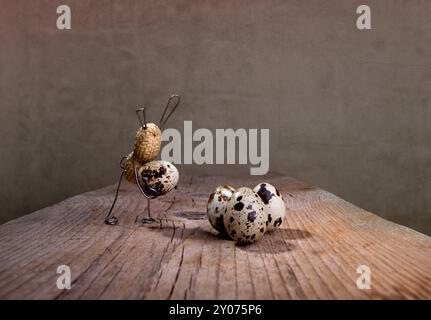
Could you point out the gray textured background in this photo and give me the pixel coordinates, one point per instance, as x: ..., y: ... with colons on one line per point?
x: 348, y: 110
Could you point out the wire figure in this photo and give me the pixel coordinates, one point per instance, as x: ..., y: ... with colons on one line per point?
x: 147, y: 192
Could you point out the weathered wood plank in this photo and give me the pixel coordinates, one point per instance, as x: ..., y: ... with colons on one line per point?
x: 314, y: 255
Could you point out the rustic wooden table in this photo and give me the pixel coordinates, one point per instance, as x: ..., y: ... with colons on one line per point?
x: 314, y: 255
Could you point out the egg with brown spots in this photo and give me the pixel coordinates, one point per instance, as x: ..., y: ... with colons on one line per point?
x: 274, y: 204
x: 158, y: 177
x: 245, y: 216
x: 217, y: 204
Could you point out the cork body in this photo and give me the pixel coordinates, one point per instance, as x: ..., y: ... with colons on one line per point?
x: 147, y: 143
x: 129, y: 170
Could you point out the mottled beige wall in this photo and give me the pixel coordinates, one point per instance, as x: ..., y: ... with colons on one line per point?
x: 348, y: 110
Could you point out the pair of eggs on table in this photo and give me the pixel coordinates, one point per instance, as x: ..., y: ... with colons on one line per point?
x: 156, y: 177
x: 245, y: 214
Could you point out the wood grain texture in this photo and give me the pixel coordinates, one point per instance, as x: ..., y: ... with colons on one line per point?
x: 314, y: 255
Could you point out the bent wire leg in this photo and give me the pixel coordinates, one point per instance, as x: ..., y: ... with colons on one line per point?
x: 149, y: 197
x: 110, y: 219
x: 149, y: 219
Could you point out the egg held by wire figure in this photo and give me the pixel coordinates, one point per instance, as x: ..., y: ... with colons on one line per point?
x: 153, y: 178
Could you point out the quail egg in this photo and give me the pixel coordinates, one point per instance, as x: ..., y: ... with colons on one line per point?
x: 217, y: 204
x: 158, y: 177
x: 245, y: 216
x: 275, y: 206
x: 147, y: 143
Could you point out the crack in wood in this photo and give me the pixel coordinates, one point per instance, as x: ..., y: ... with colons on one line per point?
x: 177, y: 275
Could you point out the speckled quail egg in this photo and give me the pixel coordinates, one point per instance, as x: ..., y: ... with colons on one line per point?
x: 275, y: 206
x: 159, y: 175
x: 245, y: 216
x: 147, y: 143
x: 217, y: 204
